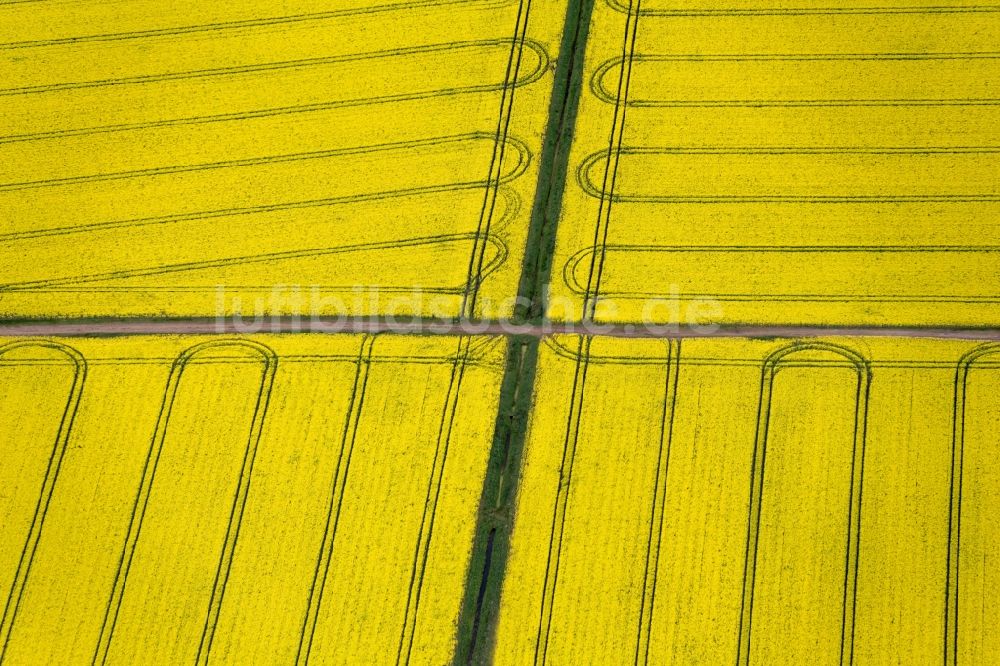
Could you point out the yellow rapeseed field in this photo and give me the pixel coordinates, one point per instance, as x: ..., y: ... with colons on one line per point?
x: 758, y: 502
x: 187, y: 158
x: 306, y: 498
x: 278, y: 499
x: 787, y: 161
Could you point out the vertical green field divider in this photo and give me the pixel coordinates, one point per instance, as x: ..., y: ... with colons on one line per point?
x: 484, y: 579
